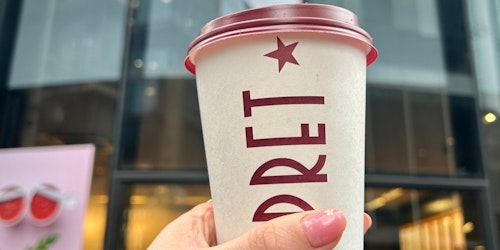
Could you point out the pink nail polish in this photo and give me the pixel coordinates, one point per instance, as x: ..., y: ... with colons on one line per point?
x: 324, y: 227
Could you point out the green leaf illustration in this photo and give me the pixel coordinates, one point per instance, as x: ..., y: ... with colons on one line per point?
x: 45, y: 243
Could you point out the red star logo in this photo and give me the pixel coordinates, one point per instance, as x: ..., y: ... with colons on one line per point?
x: 283, y: 54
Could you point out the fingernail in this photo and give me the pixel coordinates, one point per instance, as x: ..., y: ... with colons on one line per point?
x: 368, y: 222
x: 324, y: 227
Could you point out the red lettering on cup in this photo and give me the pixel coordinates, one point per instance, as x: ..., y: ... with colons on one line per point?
x: 307, y: 175
x: 261, y: 214
x: 305, y: 138
x: 249, y: 103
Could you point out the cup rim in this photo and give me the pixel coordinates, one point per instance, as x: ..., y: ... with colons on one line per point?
x: 302, y: 17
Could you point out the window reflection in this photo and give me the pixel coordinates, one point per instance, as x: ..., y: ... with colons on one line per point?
x: 172, y: 25
x: 402, y: 218
x: 162, y: 128
x: 164, y: 53
x: 72, y: 114
x: 486, y: 54
x: 465, y: 138
x: 68, y: 42
x: 421, y: 133
x: 422, y: 219
x: 386, y: 131
x: 429, y: 134
x: 443, y: 231
x: 152, y: 207
x: 95, y: 218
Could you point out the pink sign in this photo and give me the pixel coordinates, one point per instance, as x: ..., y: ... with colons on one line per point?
x: 44, y: 195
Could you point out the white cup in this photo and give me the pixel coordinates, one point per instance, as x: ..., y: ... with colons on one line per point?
x: 282, y: 101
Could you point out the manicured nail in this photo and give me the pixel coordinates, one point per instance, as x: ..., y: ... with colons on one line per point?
x: 324, y: 227
x: 368, y: 222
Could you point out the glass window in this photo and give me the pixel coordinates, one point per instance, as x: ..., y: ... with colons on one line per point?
x: 152, y: 207
x: 163, y: 55
x: 485, y: 37
x: 423, y: 64
x: 402, y: 218
x: 421, y: 117
x: 67, y: 42
x: 465, y: 138
x: 70, y: 114
x: 423, y: 219
x: 162, y: 127
x: 491, y: 133
x: 422, y: 43
x: 386, y: 136
x: 95, y: 219
x: 62, y: 87
x: 58, y: 45
x: 421, y: 133
x: 428, y: 130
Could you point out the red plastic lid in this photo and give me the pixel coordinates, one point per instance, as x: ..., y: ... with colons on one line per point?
x: 304, y: 17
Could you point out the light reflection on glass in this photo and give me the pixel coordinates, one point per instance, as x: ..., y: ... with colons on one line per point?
x: 490, y: 117
x: 422, y: 219
x: 152, y: 207
x: 149, y: 91
x: 138, y: 63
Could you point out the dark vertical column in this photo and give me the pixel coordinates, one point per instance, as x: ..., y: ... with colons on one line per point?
x: 11, y: 103
x: 134, y: 70
x: 125, y: 128
x: 470, y: 154
x: 454, y: 38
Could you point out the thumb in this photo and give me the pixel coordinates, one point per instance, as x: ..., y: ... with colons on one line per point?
x: 307, y: 230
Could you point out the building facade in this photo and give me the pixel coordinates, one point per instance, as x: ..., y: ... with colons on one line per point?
x: 111, y: 73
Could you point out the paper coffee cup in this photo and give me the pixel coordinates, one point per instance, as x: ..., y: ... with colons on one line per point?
x: 282, y: 101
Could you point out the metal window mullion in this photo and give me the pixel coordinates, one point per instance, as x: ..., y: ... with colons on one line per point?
x: 425, y: 182
x: 10, y: 16
x: 410, y: 142
x: 449, y: 139
x: 488, y: 225
x: 476, y: 10
x: 116, y: 194
x: 175, y: 176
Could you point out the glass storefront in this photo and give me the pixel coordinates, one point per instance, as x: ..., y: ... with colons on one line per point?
x: 423, y: 219
x: 152, y: 206
x: 161, y: 126
x: 111, y: 73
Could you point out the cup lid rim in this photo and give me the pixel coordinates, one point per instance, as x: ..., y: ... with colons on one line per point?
x: 302, y: 17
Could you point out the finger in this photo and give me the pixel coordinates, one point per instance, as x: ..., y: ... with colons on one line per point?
x: 367, y: 222
x: 307, y: 230
x: 192, y: 230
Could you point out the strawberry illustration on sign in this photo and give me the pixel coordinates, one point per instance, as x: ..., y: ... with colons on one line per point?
x: 283, y: 54
x: 12, y: 202
x: 45, y: 205
x: 44, y: 195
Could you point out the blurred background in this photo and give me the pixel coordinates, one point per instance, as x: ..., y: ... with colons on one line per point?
x: 111, y: 73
